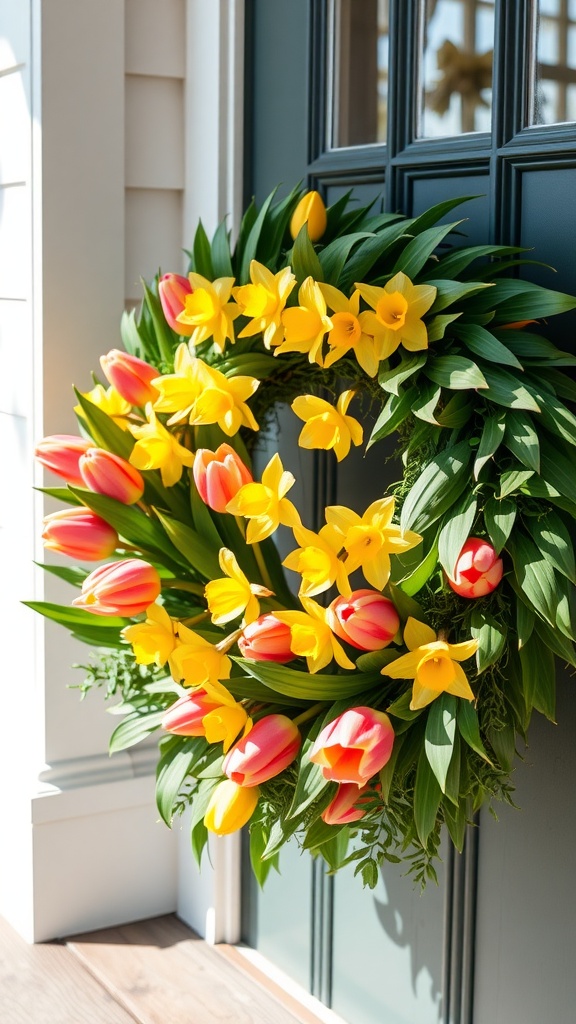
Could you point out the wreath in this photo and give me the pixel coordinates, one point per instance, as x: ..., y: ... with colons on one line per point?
x: 373, y: 684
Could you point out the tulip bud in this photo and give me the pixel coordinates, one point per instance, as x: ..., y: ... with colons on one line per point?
x: 366, y: 619
x: 60, y: 454
x: 355, y: 746
x: 79, y: 533
x: 478, y: 569
x: 184, y: 718
x: 230, y: 807
x: 219, y: 476
x: 106, y: 473
x: 270, y: 746
x: 130, y: 376
x: 172, y: 290
x: 266, y: 639
x: 346, y: 805
x: 123, y: 588
x: 312, y: 212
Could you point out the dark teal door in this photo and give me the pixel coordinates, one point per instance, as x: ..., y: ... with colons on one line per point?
x: 417, y: 101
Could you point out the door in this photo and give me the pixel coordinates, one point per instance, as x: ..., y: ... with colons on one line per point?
x: 418, y: 101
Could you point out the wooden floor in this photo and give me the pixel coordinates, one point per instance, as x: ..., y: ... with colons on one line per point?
x: 151, y: 972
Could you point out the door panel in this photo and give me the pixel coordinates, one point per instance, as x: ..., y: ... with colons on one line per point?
x: 491, y: 945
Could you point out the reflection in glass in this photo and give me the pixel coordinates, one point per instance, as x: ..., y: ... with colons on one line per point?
x: 456, y: 73
x: 554, y: 93
x: 359, y: 92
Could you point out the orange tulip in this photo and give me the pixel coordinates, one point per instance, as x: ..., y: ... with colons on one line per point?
x: 355, y: 746
x: 270, y: 746
x: 106, y: 473
x: 130, y: 376
x: 184, y: 718
x: 172, y: 291
x: 366, y: 619
x: 219, y: 476
x: 60, y: 454
x: 266, y: 639
x: 123, y: 588
x: 79, y: 533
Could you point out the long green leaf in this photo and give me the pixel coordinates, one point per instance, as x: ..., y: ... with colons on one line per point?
x: 484, y: 344
x: 131, y: 523
x: 455, y: 372
x: 553, y: 539
x: 135, y: 728
x: 522, y: 440
x: 439, y: 736
x: 491, y: 636
x: 193, y: 547
x: 499, y: 517
x: 535, y: 576
x: 309, y: 687
x: 394, y: 413
x: 490, y: 441
x: 390, y: 379
x: 425, y: 401
x: 469, y: 728
x: 539, y: 677
x: 419, y: 250
x: 305, y: 262
x: 173, y: 767
x: 437, y: 488
x: 456, y: 530
x: 505, y: 389
x: 427, y: 794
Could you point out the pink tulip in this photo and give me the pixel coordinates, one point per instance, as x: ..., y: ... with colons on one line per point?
x: 60, y: 454
x: 355, y: 746
x: 79, y: 533
x: 219, y: 476
x: 366, y: 619
x: 346, y: 805
x: 184, y: 718
x: 130, y: 376
x: 266, y: 639
x: 106, y: 473
x: 173, y: 289
x: 123, y: 588
x: 270, y: 746
x: 478, y: 569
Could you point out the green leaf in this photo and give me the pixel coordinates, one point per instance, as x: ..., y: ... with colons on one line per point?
x: 513, y: 480
x: 484, y: 344
x: 456, y: 530
x: 439, y: 485
x: 557, y: 470
x: 166, y: 338
x: 456, y: 261
x: 60, y: 493
x: 553, y: 539
x: 306, y: 686
x: 103, y: 430
x: 499, y: 519
x: 449, y: 292
x: 221, y: 259
x: 333, y: 257
x: 534, y: 347
x: 533, y: 302
x: 305, y: 262
x: 422, y: 573
x: 525, y: 619
x: 427, y: 794
x: 505, y: 389
x: 439, y: 736
x: 175, y: 764
x: 539, y: 677
x: 521, y: 439
x: 435, y: 213
x: 135, y: 728
x: 69, y: 573
x: 193, y: 547
x: 535, y: 576
x: 491, y: 636
x: 310, y: 784
x: 198, y: 840
x: 456, y: 412
x: 560, y: 645
x: 425, y: 401
x: 389, y: 380
x: 418, y: 251
x: 492, y: 437
x: 438, y: 324
x: 453, y: 785
x: 469, y: 729
x: 368, y: 254
x: 131, y: 523
x: 397, y: 408
x: 455, y: 372
x: 73, y: 617
x: 249, y: 247
x: 556, y: 417
x: 202, y: 255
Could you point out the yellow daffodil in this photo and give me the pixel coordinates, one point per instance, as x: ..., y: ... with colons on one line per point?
x: 397, y: 317
x: 208, y: 310
x: 157, y: 448
x: 305, y: 325
x: 327, y: 427
x: 153, y: 640
x: 347, y: 333
x: 109, y: 401
x: 230, y: 598
x: 202, y: 395
x: 317, y: 561
x: 196, y: 662
x: 265, y: 504
x: 312, y: 638
x: 264, y: 301
x: 226, y: 723
x: 432, y: 664
x: 371, y: 539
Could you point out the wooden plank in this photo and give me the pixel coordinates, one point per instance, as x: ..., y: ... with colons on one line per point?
x: 46, y: 984
x: 159, y: 970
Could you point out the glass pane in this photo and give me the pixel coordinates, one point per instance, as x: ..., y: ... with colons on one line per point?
x: 553, y: 100
x: 387, y: 952
x: 359, y: 86
x: 456, y: 75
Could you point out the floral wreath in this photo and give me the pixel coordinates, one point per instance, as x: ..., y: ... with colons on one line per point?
x: 377, y: 689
